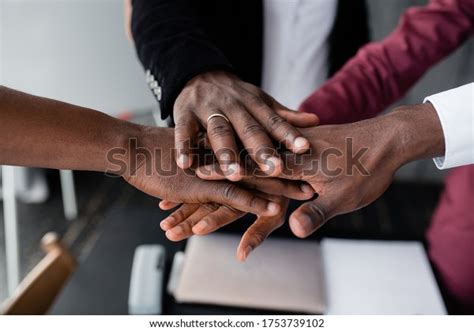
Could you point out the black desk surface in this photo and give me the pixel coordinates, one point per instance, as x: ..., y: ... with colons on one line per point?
x: 101, y: 282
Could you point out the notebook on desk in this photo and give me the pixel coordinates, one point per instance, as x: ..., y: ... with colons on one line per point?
x: 290, y: 275
x: 281, y: 275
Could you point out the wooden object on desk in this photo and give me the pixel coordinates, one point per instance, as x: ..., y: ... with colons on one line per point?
x: 37, y: 291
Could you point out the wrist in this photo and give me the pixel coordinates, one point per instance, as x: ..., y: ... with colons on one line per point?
x: 211, y: 76
x: 419, y: 132
x: 128, y: 151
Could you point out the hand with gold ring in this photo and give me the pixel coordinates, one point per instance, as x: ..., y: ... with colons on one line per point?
x: 232, y: 111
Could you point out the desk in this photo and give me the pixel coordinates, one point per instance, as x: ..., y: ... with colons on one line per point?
x: 101, y: 282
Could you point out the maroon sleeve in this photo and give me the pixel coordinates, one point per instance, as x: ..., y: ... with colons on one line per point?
x: 382, y: 72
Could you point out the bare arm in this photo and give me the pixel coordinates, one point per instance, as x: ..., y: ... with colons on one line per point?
x: 40, y: 132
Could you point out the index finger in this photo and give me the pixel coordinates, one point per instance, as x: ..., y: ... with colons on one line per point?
x: 288, y: 188
x: 259, y: 231
x: 222, y: 140
x: 186, y: 134
x: 229, y: 194
x: 256, y: 141
x: 279, y: 128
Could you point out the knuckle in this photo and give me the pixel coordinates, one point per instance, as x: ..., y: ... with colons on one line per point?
x: 229, y: 192
x: 256, y: 101
x: 202, y: 89
x: 186, y: 226
x: 259, y: 235
x: 252, y: 129
x: 275, y: 121
x: 181, y: 101
x: 229, y: 101
x: 211, y: 206
x: 256, y: 203
x: 231, y: 211
x: 179, y: 215
x: 318, y: 211
x: 219, y: 131
x: 212, y: 221
x: 182, y: 128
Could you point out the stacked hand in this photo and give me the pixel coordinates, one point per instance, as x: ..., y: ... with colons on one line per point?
x: 233, y: 111
x: 348, y: 166
x: 225, y: 107
x: 39, y: 132
x: 153, y: 170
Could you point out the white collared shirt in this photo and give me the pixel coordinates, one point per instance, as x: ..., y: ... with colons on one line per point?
x: 296, y: 46
x: 455, y: 109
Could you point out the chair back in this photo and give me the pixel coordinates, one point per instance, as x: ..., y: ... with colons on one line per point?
x: 37, y: 291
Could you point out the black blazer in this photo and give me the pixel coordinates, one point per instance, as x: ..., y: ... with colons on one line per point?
x: 179, y: 39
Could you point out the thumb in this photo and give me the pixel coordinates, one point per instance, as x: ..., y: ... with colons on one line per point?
x: 312, y: 215
x: 298, y: 118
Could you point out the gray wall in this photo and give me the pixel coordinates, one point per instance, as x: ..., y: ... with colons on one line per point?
x: 72, y: 50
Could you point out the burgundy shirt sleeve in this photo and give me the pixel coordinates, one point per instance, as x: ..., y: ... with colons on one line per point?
x: 382, y: 72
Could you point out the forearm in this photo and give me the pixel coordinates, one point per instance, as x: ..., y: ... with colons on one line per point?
x: 406, y: 134
x: 364, y: 158
x: 39, y: 132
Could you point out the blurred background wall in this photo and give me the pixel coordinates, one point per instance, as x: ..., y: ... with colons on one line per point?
x: 72, y: 50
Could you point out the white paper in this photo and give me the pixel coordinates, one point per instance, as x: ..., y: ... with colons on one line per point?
x: 379, y: 277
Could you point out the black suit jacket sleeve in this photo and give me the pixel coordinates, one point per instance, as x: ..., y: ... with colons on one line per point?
x: 173, y: 47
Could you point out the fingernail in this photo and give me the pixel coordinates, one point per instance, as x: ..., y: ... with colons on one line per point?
x: 306, y: 188
x: 183, y: 160
x: 209, y: 167
x: 201, y: 226
x: 273, y: 208
x: 247, y: 252
x: 177, y: 230
x: 233, y: 172
x: 225, y: 156
x: 272, y: 165
x: 165, y: 224
x: 306, y: 223
x: 301, y: 142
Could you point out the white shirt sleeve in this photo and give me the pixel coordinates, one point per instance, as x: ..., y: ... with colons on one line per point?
x: 455, y: 109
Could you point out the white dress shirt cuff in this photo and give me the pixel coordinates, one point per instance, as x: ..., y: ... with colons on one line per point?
x: 455, y: 109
